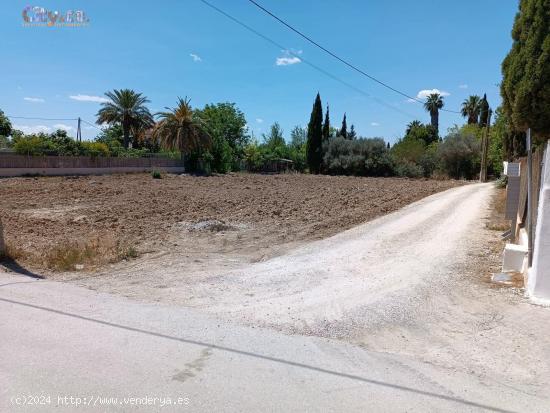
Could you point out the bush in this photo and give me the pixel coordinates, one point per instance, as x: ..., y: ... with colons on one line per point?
x: 95, y: 149
x: 365, y: 157
x: 156, y: 174
x: 408, y: 169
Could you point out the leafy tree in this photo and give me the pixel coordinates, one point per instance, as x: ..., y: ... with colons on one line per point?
x: 5, y: 125
x: 226, y: 124
x: 433, y: 103
x: 344, y: 129
x: 352, y: 134
x: 181, y: 129
x: 510, y: 142
x: 298, y: 136
x: 326, y: 126
x: 420, y: 132
x: 314, y: 149
x: 274, y: 146
x: 411, y: 125
x: 483, y: 111
x: 526, y: 70
x: 459, y: 154
x: 127, y: 108
x: 470, y: 109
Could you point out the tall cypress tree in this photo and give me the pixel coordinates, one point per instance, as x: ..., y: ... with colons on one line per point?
x: 526, y: 70
x: 344, y: 131
x: 326, y: 126
x: 483, y: 111
x: 314, y: 150
x: 352, y: 134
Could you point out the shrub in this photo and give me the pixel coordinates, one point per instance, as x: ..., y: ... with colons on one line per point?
x: 95, y: 149
x: 357, y: 157
x: 408, y: 169
x: 156, y: 174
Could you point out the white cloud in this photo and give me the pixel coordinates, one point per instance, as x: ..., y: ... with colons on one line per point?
x: 289, y: 58
x: 423, y: 94
x: 26, y: 129
x: 285, y: 61
x: 259, y: 120
x: 411, y: 100
x: 89, y: 98
x: 195, y: 57
x: 34, y: 100
x: 63, y: 126
x: 374, y: 124
x: 463, y: 86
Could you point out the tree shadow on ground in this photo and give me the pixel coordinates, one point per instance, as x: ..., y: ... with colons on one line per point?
x: 17, y: 268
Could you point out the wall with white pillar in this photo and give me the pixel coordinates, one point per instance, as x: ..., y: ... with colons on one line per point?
x: 538, y: 284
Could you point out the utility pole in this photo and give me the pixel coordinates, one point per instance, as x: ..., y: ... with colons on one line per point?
x: 78, y: 131
x: 485, y: 149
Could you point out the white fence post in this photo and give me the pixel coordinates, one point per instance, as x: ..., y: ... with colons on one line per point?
x: 538, y: 284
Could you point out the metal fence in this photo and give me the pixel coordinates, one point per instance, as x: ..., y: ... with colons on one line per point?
x: 24, y: 161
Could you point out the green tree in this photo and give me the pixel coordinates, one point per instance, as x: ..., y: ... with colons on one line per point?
x: 275, y: 138
x: 181, y: 129
x: 298, y: 136
x: 127, y: 108
x: 460, y: 154
x: 5, y: 125
x: 226, y: 124
x: 433, y: 103
x: 483, y: 111
x: 525, y: 87
x: 344, y: 129
x: 420, y: 132
x: 314, y: 151
x: 352, y: 134
x: 411, y: 125
x: 470, y: 109
x: 326, y: 126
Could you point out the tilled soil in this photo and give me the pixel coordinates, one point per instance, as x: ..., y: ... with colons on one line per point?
x: 246, y: 216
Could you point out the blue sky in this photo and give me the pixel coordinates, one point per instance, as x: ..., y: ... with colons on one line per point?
x: 167, y: 49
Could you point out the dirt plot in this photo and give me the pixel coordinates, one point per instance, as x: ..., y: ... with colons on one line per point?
x: 65, y: 223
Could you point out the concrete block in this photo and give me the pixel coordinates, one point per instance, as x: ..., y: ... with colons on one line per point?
x: 514, y: 258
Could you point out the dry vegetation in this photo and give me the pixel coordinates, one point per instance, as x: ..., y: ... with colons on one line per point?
x: 66, y: 223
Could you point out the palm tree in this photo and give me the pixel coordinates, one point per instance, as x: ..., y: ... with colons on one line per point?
x: 179, y: 128
x: 412, y: 125
x: 471, y: 108
x: 127, y: 108
x: 433, y: 103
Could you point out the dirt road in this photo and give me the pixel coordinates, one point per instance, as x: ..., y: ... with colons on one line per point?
x: 399, y: 300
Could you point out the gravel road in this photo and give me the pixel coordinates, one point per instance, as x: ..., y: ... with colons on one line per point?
x: 403, y: 322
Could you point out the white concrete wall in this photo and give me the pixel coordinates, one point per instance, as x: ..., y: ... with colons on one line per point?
x: 8, y: 172
x: 538, y: 285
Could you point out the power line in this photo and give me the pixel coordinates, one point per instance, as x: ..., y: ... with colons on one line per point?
x: 314, y: 66
x: 92, y: 125
x: 30, y: 118
x: 347, y: 63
